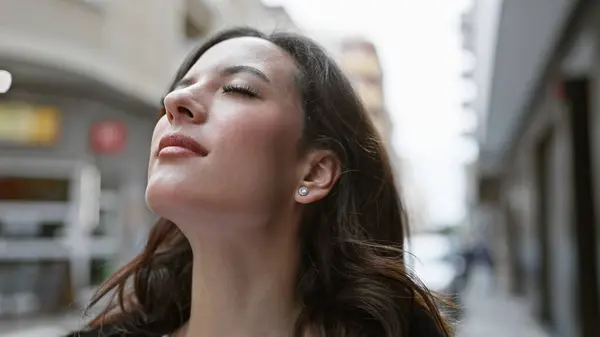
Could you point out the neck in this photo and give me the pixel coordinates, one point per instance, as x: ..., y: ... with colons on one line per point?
x: 244, y: 285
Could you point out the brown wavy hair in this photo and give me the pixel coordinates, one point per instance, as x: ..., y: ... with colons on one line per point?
x: 352, y: 279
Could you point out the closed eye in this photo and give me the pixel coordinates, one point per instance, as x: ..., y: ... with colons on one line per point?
x: 241, y: 89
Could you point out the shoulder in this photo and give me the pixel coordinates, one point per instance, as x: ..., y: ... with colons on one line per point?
x: 423, y: 325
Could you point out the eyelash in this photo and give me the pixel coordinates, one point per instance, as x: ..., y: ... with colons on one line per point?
x: 240, y: 89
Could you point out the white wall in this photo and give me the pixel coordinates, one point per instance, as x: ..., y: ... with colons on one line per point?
x: 486, y: 15
x: 134, y: 49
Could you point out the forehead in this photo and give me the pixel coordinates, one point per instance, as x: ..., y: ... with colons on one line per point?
x: 249, y: 51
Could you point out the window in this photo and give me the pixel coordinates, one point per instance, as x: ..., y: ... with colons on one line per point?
x: 34, y: 189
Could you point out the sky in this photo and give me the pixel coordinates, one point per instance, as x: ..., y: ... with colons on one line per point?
x: 419, y: 44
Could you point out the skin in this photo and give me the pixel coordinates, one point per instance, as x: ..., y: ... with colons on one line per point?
x: 239, y: 205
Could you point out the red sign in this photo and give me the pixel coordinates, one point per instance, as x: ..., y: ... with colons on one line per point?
x: 108, y: 137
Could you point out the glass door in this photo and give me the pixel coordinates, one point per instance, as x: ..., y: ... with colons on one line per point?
x: 47, y: 209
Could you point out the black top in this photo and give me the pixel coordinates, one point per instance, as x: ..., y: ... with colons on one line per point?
x: 421, y: 325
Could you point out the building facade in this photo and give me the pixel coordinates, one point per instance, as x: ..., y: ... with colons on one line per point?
x: 75, y: 131
x: 359, y: 60
x: 251, y: 13
x: 537, y: 181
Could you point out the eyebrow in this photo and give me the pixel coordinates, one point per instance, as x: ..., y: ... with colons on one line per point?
x: 245, y: 69
x: 229, y: 71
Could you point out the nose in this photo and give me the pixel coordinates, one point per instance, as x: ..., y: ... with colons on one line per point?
x: 181, y: 107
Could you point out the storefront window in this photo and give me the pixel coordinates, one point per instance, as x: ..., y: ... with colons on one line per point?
x: 34, y: 189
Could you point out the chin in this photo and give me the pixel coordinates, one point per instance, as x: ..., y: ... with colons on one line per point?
x: 164, y: 198
x: 176, y: 201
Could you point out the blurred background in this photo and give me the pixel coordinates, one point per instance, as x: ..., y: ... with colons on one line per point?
x: 488, y: 107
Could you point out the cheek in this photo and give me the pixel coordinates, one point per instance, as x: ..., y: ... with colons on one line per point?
x: 159, y: 130
x: 265, y: 134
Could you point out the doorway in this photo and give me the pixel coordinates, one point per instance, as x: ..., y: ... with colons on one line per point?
x: 543, y: 168
x: 577, y: 92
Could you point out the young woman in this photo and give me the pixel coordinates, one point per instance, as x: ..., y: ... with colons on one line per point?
x: 279, y: 214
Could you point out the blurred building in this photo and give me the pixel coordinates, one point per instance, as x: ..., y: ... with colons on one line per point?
x: 537, y: 178
x: 251, y: 13
x: 75, y: 131
x: 359, y: 60
x: 479, y: 29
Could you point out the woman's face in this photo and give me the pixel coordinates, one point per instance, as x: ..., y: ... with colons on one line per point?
x: 229, y: 141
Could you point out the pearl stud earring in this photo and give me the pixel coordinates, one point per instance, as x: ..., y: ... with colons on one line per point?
x: 303, y: 191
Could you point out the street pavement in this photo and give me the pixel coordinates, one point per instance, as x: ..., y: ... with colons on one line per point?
x: 55, y: 326
x: 490, y: 312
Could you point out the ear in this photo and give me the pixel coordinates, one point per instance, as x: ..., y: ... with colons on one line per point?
x: 319, y: 173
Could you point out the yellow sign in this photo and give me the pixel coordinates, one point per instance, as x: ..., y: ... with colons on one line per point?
x: 27, y: 124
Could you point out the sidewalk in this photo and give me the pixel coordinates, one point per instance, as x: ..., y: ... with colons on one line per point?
x: 42, y: 327
x: 491, y: 313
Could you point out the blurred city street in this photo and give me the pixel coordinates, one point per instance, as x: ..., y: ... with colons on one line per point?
x: 489, y: 113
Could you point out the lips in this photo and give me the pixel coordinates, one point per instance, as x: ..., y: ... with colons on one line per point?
x: 179, y: 143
